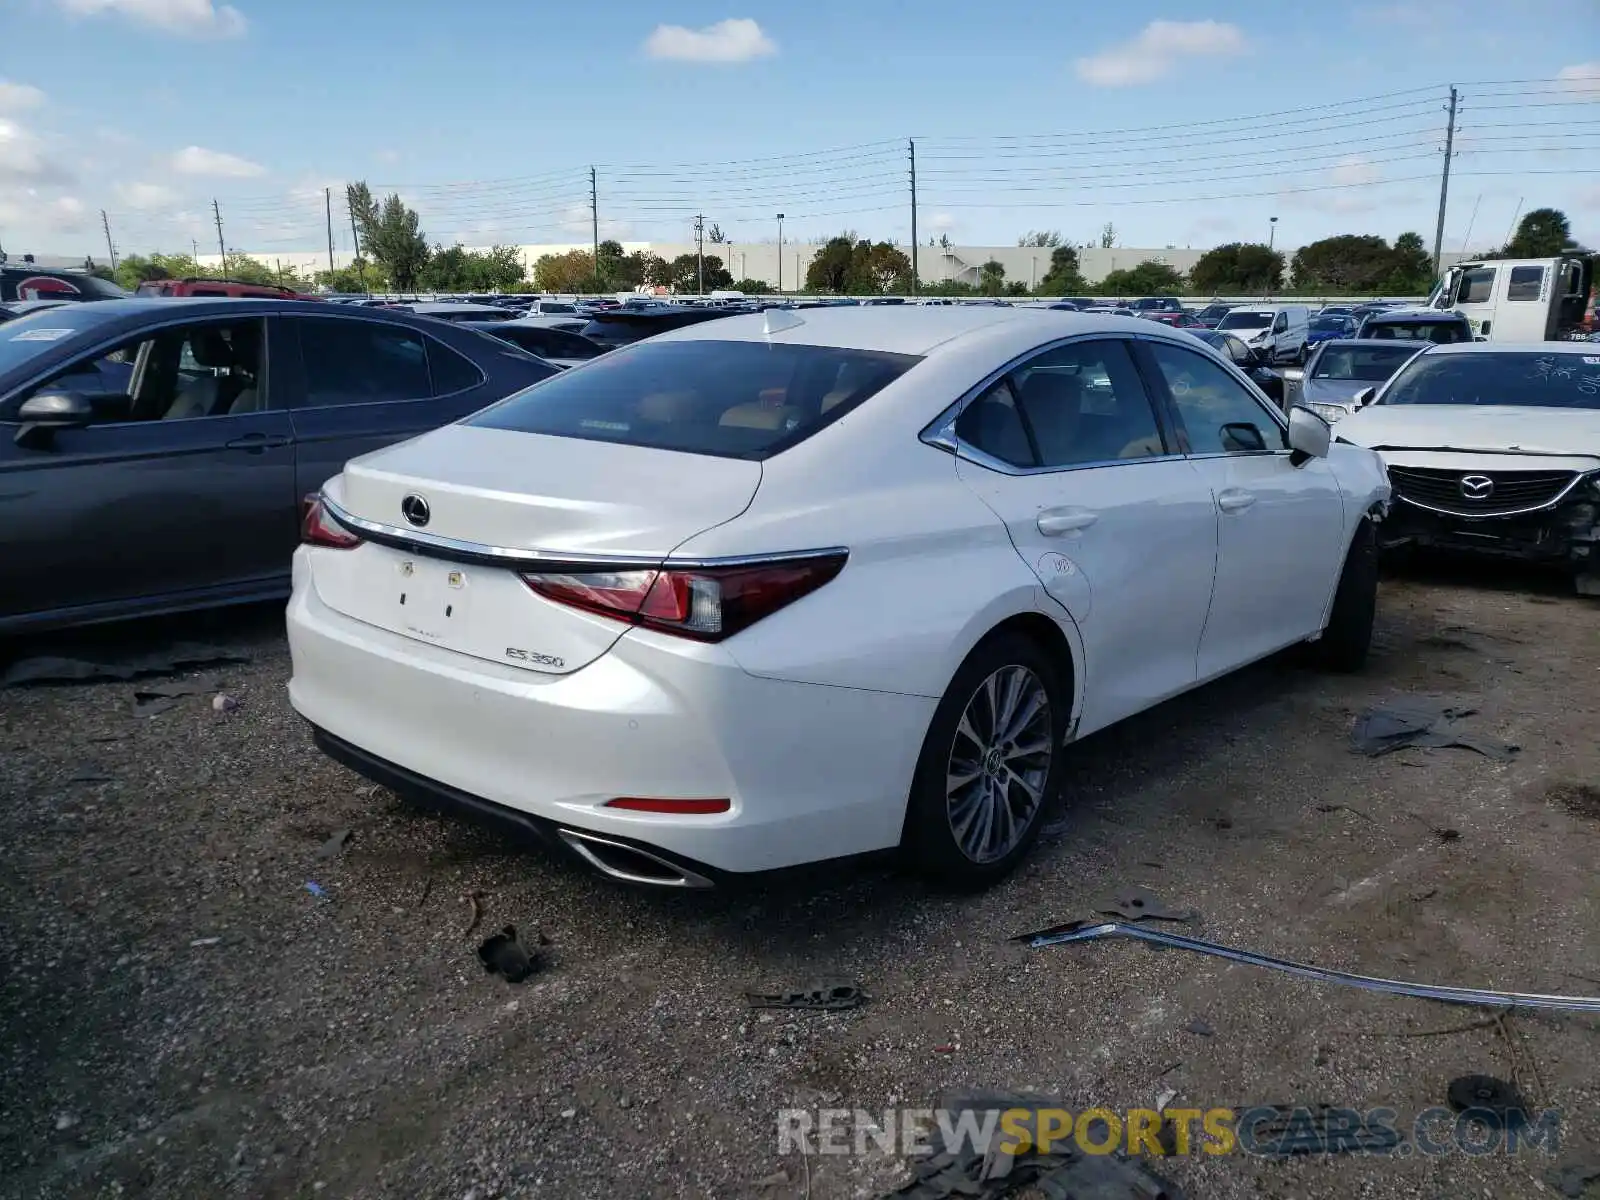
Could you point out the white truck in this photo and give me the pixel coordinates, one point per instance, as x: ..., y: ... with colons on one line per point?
x: 1519, y: 299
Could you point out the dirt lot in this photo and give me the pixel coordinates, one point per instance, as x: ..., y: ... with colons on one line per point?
x: 183, y: 1017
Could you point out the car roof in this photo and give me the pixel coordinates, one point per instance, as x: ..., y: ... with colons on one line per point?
x: 917, y: 329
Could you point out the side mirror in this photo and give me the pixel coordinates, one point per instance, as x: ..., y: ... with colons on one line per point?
x: 1364, y: 396
x: 52, y: 410
x: 1309, y: 436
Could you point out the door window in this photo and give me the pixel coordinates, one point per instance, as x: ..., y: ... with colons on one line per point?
x: 451, y: 372
x: 1477, y: 284
x: 1217, y: 412
x: 1281, y: 325
x: 208, y: 370
x: 1072, y: 406
x: 361, y: 362
x: 1525, y: 283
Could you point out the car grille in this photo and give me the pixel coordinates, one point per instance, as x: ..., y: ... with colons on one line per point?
x: 1513, y: 491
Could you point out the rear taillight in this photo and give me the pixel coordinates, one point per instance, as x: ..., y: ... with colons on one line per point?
x: 317, y: 528
x: 707, y: 604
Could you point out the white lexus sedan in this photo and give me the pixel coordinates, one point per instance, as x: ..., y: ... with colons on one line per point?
x: 805, y: 584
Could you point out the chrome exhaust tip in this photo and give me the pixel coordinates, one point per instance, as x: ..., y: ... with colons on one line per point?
x: 628, y: 863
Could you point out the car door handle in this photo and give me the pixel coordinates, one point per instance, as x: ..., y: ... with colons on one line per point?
x: 258, y: 441
x: 1054, y: 522
x: 1234, y: 500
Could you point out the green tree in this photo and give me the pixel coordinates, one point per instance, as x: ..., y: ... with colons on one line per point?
x: 241, y: 268
x: 1065, y: 277
x: 1349, y: 264
x: 879, y: 268
x: 1238, y: 267
x: 569, y: 272
x: 1146, y: 279
x: 715, y: 235
x: 949, y: 287
x: 753, y: 287
x: 1108, y: 236
x: 1016, y: 288
x: 1040, y: 238
x: 135, y: 269
x: 1412, y: 269
x: 1543, y: 233
x: 991, y: 277
x: 390, y: 235
x: 829, y: 270
x: 359, y: 276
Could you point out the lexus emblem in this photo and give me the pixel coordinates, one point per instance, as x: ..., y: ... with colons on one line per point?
x: 1473, y: 487
x: 415, y: 509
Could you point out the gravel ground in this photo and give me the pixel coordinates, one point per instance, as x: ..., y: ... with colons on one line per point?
x: 184, y: 1018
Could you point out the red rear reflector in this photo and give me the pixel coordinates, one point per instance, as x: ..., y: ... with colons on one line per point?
x: 317, y: 528
x: 682, y: 807
x: 707, y: 604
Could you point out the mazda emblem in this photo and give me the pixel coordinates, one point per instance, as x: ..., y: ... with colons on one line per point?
x: 1474, y: 487
x: 415, y: 509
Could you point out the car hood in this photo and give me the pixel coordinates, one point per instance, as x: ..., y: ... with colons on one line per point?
x: 1332, y: 391
x: 1559, y: 432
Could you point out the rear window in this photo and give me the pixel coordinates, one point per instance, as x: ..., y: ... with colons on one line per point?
x: 730, y: 399
x: 1443, y: 332
x: 1246, y: 320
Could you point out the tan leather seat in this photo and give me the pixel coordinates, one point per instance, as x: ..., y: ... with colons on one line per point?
x: 759, y: 416
x: 665, y: 406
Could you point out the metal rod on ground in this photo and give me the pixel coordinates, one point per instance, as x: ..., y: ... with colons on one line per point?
x: 911, y: 144
x: 1444, y: 181
x: 216, y: 212
x: 105, y: 223
x: 327, y: 206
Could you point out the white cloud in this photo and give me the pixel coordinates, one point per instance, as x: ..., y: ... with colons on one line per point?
x: 1157, y: 49
x: 14, y: 97
x: 1581, y: 79
x: 735, y: 40
x: 23, y: 160
x: 942, y: 222
x: 195, y: 160
x: 1353, y: 171
x: 187, y: 18
x: 27, y: 208
x: 387, y: 157
x: 145, y: 195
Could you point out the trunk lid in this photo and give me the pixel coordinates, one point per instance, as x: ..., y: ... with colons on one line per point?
x: 501, y: 490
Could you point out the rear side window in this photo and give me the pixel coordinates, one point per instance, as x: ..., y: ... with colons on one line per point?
x: 1525, y: 283
x: 361, y: 362
x: 451, y: 372
x: 731, y: 399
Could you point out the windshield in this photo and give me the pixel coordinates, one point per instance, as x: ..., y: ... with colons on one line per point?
x: 1443, y: 332
x: 1366, y: 364
x: 1246, y: 320
x: 35, y: 333
x: 1212, y: 312
x: 731, y: 399
x: 1523, y: 379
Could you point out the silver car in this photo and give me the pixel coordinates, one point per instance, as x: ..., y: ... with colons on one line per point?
x: 1337, y: 373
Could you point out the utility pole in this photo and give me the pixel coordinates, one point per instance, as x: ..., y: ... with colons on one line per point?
x: 105, y: 223
x: 216, y: 211
x: 780, y: 254
x: 912, y: 146
x: 594, y: 220
x: 1444, y: 181
x: 327, y: 206
x: 194, y: 248
x: 700, y: 254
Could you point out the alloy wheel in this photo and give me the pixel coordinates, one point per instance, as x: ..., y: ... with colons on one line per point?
x: 999, y: 763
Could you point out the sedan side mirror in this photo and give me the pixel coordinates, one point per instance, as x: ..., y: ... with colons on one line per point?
x: 1309, y: 436
x: 1364, y: 396
x: 53, y: 410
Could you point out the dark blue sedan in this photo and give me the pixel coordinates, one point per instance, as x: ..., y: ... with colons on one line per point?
x: 156, y: 451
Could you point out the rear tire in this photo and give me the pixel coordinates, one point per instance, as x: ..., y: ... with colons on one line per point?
x: 990, y: 765
x: 1345, y: 642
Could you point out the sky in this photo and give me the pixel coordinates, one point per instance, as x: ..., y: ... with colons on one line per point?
x: 1179, y: 124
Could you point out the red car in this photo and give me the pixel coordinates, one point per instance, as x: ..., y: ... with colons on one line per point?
x: 218, y: 287
x: 1178, y: 320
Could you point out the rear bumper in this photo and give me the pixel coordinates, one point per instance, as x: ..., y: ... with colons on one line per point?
x: 812, y: 772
